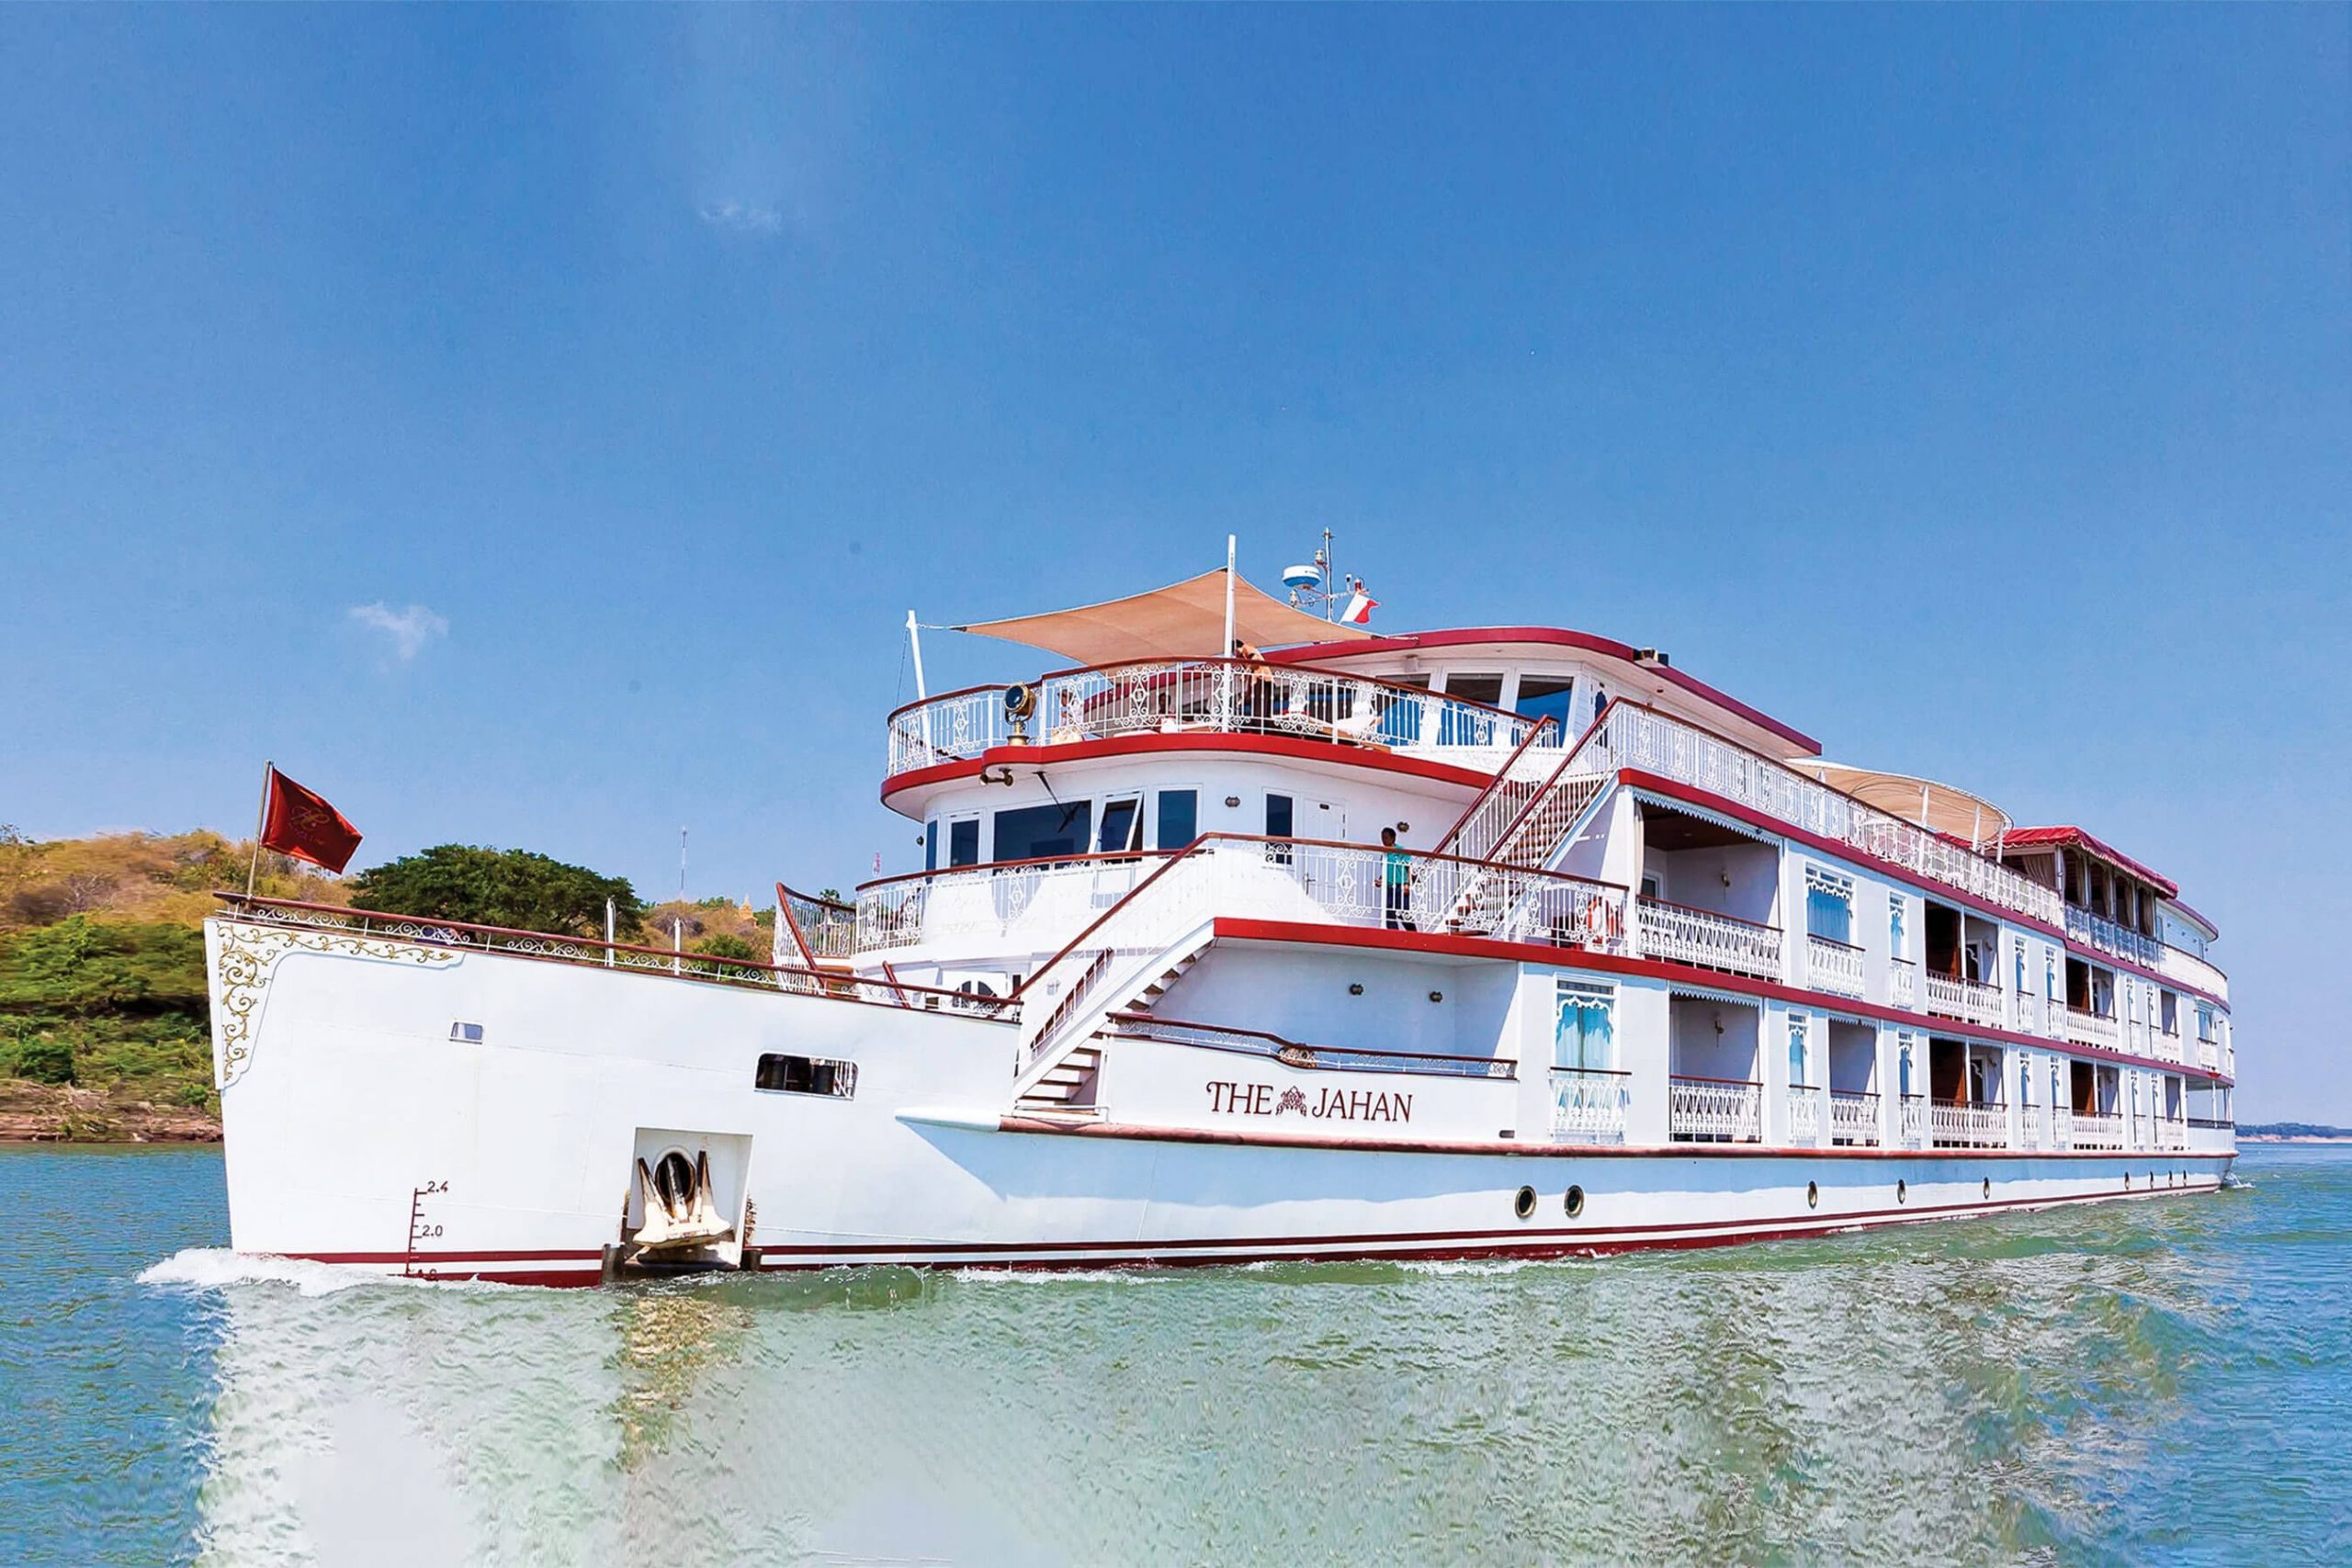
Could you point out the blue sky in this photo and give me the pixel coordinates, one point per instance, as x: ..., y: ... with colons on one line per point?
x: 530, y: 426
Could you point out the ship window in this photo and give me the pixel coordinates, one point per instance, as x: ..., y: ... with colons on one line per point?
x: 1279, y: 817
x: 466, y: 1033
x: 1583, y: 1031
x: 1122, y: 825
x: 964, y: 842
x: 931, y: 844
x: 1486, y: 689
x: 781, y: 1074
x: 1545, y: 696
x: 2170, y: 1007
x: 1041, y: 832
x: 1829, y: 905
x: 1180, y: 817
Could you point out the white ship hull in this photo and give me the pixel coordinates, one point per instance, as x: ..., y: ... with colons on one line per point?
x: 366, y: 1127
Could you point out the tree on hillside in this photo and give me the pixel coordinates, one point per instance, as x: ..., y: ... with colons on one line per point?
x: 498, y: 887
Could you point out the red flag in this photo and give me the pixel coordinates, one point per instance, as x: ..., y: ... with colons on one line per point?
x: 303, y: 825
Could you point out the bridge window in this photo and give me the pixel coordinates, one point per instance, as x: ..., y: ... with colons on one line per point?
x: 964, y: 842
x: 1180, y: 818
x: 1545, y: 696
x: 1039, y: 832
x: 1122, y: 825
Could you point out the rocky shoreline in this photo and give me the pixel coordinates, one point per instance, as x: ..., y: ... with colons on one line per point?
x: 39, y: 1114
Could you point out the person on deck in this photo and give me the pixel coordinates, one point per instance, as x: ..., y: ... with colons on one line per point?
x: 1396, y: 885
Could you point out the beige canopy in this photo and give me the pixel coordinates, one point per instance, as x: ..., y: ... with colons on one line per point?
x: 1969, y: 818
x: 1183, y: 620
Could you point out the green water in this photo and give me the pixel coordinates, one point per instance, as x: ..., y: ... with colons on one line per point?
x: 2161, y: 1381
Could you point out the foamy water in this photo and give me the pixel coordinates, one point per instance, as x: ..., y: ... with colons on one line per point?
x: 2158, y: 1381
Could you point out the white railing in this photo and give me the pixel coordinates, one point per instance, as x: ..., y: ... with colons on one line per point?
x: 1833, y: 966
x: 1643, y: 738
x: 1027, y: 906
x: 1853, y: 1118
x: 2209, y: 1055
x: 1915, y: 1121
x: 2085, y: 1130
x: 2028, y: 1128
x: 1711, y: 940
x: 2172, y: 1134
x: 1969, y: 1126
x: 2093, y: 1029
x: 830, y: 929
x: 1971, y: 1001
x: 2062, y: 1127
x: 1902, y: 983
x: 2188, y: 969
x: 2098, y: 932
x: 2025, y: 1023
x: 1588, y: 1105
x: 1206, y: 696
x: 1805, y: 1115
x: 1714, y: 1110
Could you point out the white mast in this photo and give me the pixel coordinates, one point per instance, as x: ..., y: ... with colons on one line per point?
x: 914, y: 640
x: 1226, y: 650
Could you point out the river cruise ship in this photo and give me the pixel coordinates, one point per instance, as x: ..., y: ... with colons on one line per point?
x: 1251, y: 935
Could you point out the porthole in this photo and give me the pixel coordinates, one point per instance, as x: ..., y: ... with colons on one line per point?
x: 1901, y: 1193
x: 1524, y: 1204
x: 1575, y: 1202
x: 1988, y: 1186
x: 1813, y: 1194
x: 2127, y: 1182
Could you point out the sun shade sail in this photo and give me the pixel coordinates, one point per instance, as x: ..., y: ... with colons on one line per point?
x: 1936, y: 806
x: 1183, y: 620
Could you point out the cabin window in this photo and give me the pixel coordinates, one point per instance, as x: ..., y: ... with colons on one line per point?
x: 931, y: 845
x: 1649, y: 885
x: 1583, y: 1035
x: 2169, y: 1009
x: 1122, y: 825
x: 1902, y: 1064
x: 2050, y: 973
x: 1545, y: 696
x: 780, y: 1073
x: 964, y: 842
x: 1180, y: 818
x: 1279, y: 825
x: 2020, y: 967
x: 1829, y: 905
x: 1894, y: 926
x: 1044, y: 832
x: 1800, y: 1031
x: 2204, y: 1024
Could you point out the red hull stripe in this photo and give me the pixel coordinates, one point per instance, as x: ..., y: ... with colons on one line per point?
x: 1582, y: 958
x: 1133, y: 745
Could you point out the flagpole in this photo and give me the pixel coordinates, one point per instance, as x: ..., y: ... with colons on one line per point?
x: 261, y: 826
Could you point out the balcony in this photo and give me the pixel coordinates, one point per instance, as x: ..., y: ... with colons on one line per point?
x: 2093, y: 1029
x: 2085, y: 1130
x: 1853, y: 1119
x: 1915, y: 1121
x: 1902, y: 983
x: 1205, y: 697
x: 1971, y: 1001
x: 1804, y: 1116
x: 1833, y: 966
x: 1969, y: 1126
x: 1684, y: 935
x: 2097, y: 930
x: 2209, y: 1055
x: 2172, y: 1134
x: 1588, y: 1105
x: 1714, y: 1111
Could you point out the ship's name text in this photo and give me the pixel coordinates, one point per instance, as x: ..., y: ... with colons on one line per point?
x: 1231, y: 1099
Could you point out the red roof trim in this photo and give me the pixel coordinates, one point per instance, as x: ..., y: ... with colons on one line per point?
x: 2075, y: 839
x: 1202, y: 740
x: 1553, y: 636
x: 1651, y: 968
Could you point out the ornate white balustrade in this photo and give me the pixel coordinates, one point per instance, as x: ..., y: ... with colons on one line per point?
x: 1804, y: 1116
x: 1833, y: 966
x: 2093, y: 1029
x: 2085, y: 1130
x: 1915, y: 1121
x: 2171, y: 1135
x: 2098, y: 932
x: 1641, y: 738
x: 1971, y: 1001
x: 1588, y: 1105
x: 1902, y: 983
x: 1853, y: 1118
x: 1202, y: 695
x: 1969, y: 1126
x: 1714, y: 1111
x: 2028, y: 1127
x: 2209, y: 1055
x: 1685, y: 935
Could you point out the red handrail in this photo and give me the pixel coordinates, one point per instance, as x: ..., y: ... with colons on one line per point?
x: 1501, y: 776
x: 1108, y: 856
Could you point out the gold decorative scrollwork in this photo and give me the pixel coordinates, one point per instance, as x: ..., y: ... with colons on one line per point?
x: 247, y: 955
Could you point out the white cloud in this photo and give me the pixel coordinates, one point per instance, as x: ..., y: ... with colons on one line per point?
x: 410, y: 629
x: 741, y: 218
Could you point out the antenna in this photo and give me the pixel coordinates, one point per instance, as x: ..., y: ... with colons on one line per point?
x: 1317, y: 585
